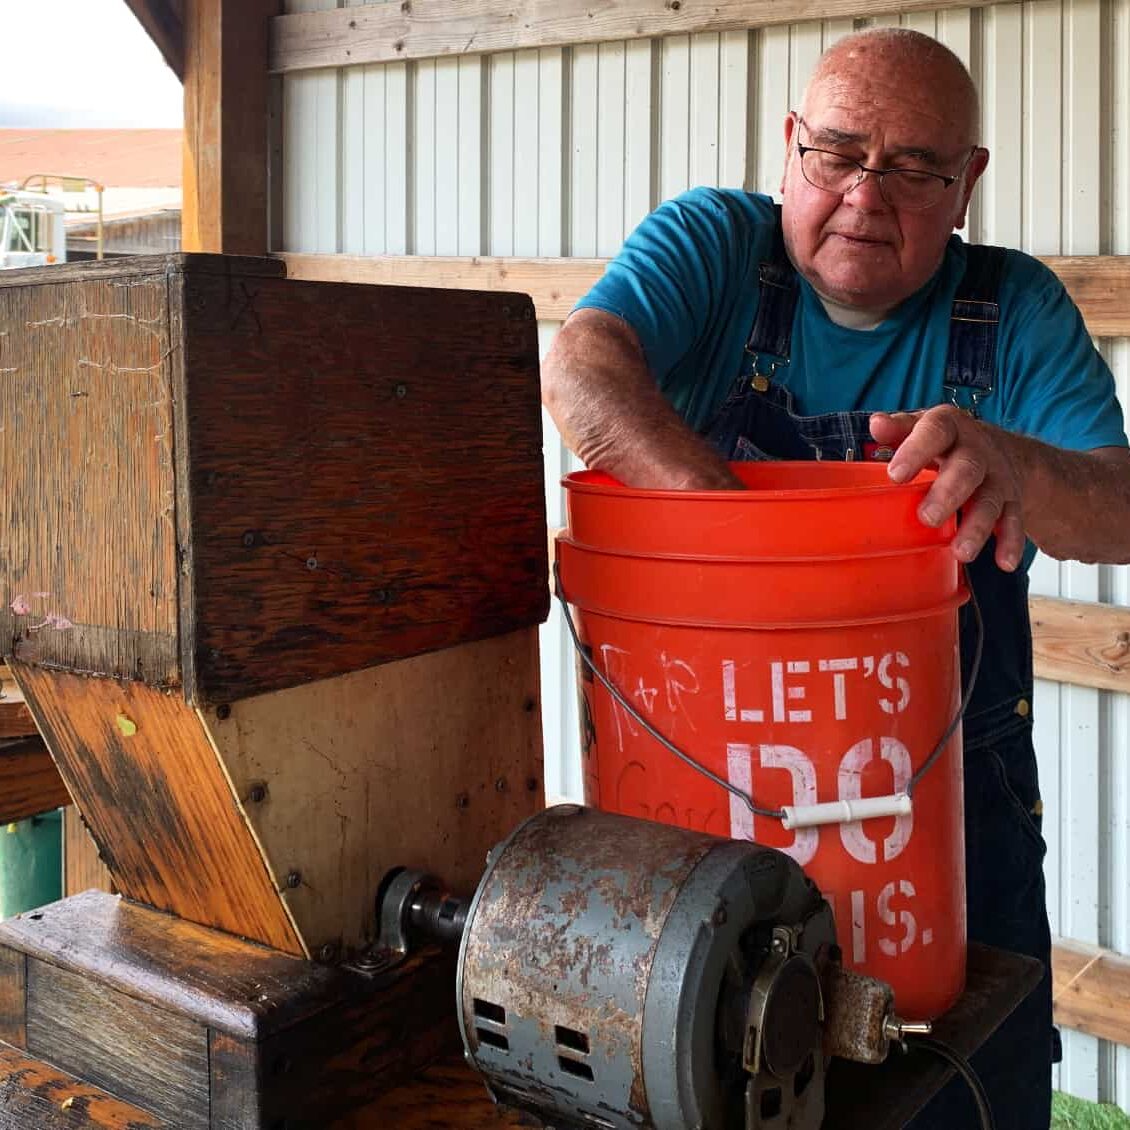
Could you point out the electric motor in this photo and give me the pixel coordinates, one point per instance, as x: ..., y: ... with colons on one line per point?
x: 619, y: 973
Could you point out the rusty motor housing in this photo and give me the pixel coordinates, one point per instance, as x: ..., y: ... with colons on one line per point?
x: 623, y: 974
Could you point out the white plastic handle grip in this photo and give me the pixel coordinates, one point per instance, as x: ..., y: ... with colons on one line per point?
x: 845, y: 811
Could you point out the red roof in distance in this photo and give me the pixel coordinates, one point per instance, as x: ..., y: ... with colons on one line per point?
x: 123, y: 158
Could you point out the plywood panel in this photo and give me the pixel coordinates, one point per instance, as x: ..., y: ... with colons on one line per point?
x: 422, y: 763
x: 157, y: 802
x: 87, y: 505
x: 83, y: 869
x: 340, y: 441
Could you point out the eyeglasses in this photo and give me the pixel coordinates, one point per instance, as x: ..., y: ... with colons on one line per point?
x: 910, y: 189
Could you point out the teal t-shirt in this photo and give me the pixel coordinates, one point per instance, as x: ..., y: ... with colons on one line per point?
x: 686, y: 281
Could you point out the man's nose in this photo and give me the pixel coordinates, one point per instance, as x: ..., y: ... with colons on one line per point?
x: 867, y: 194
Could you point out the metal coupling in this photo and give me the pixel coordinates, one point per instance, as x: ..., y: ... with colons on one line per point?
x: 896, y: 1029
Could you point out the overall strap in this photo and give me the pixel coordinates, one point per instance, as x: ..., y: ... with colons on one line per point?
x: 776, y: 300
x: 974, y: 321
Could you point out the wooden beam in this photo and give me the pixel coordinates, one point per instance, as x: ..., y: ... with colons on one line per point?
x: 554, y: 284
x: 164, y: 21
x: 423, y: 29
x: 1100, y: 284
x: 1100, y: 287
x: 226, y: 103
x: 1091, y: 990
x: 29, y: 782
x: 1082, y: 643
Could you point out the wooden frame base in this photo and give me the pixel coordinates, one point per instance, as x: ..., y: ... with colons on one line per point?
x: 198, y: 1030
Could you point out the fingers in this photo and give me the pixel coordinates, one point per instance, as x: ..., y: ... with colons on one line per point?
x: 973, y: 477
x: 891, y: 428
x: 923, y: 439
x: 1011, y: 538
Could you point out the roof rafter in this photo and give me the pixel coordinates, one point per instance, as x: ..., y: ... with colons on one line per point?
x: 164, y: 21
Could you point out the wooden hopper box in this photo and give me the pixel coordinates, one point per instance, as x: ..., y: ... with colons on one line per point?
x: 272, y: 557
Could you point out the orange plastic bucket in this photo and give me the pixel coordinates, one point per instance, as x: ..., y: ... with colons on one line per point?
x: 799, y: 640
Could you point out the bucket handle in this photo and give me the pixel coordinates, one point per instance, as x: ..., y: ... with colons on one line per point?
x: 833, y: 812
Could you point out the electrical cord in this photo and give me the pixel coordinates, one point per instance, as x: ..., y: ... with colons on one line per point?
x: 962, y: 1066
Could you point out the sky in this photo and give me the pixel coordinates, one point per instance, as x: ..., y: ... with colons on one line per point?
x: 82, y: 63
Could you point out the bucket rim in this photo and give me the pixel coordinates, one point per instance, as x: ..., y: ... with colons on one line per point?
x: 564, y: 538
x: 575, y: 481
x: 945, y: 607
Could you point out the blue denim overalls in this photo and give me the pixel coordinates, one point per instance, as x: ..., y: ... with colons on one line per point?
x: 1004, y: 845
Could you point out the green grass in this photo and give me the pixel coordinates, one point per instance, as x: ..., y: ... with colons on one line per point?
x: 1069, y: 1113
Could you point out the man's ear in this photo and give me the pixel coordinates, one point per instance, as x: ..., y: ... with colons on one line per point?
x: 790, y: 129
x: 972, y: 174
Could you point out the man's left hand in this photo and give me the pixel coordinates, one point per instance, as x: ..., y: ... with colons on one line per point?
x: 975, y: 475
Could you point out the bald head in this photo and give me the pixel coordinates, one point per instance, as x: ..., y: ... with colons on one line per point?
x: 899, y: 58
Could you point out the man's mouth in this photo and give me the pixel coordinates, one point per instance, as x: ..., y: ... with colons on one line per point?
x: 860, y: 239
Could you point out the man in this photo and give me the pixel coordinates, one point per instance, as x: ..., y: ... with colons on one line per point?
x: 855, y: 325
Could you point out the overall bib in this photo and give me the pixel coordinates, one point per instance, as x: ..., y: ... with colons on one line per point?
x: 1003, y: 841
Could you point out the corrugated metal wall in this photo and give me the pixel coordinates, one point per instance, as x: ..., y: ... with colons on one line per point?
x: 561, y: 151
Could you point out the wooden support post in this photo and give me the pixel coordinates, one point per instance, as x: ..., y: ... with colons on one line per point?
x: 226, y: 104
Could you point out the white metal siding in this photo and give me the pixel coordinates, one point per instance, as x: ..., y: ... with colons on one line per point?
x: 562, y: 151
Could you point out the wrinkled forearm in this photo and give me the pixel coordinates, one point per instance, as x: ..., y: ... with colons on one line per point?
x: 604, y: 401
x: 1075, y: 504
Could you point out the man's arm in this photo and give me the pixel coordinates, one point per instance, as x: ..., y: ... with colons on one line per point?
x: 609, y: 410
x: 1075, y: 505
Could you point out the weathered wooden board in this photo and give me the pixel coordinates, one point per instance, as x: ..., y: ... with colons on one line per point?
x: 1081, y: 642
x: 1091, y: 990
x: 1099, y: 284
x: 147, y: 1056
x: 209, y: 1030
x: 554, y: 285
x: 36, y: 1095
x: 1100, y: 287
x: 215, y: 980
x: 29, y: 782
x: 13, y: 997
x: 87, y: 466
x: 157, y: 802
x: 362, y: 478
x: 421, y: 29
x: 427, y: 762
